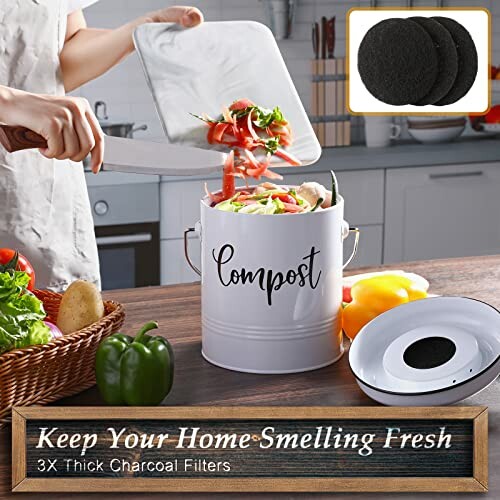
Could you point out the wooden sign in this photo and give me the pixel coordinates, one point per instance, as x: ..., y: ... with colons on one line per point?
x: 249, y: 449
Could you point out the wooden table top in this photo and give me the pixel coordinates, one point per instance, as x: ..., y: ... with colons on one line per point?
x: 177, y: 309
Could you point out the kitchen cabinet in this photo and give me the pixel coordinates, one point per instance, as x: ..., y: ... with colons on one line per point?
x: 180, y: 208
x: 438, y: 212
x: 174, y: 268
x: 363, y: 192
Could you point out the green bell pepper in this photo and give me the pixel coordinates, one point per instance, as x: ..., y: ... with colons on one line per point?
x: 135, y: 371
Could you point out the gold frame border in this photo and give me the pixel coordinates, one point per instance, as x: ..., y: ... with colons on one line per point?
x: 477, y: 483
x: 416, y: 113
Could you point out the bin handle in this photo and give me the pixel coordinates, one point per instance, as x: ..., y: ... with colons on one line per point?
x: 198, y: 272
x: 356, y: 244
x: 186, y: 249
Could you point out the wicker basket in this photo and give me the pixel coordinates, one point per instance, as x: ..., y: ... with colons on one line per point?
x: 40, y: 374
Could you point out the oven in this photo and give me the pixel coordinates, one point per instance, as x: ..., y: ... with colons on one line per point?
x: 127, y: 228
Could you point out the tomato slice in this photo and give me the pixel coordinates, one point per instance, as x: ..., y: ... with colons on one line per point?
x: 228, y: 185
x: 288, y: 157
x: 285, y: 198
x: 241, y: 104
x: 272, y: 175
x: 258, y: 168
x: 218, y: 131
x: 210, y: 133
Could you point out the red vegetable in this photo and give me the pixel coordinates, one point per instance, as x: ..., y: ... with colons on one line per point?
x: 238, y: 131
x: 11, y: 259
x: 285, y: 198
x: 241, y: 104
x: 228, y: 186
x: 346, y: 294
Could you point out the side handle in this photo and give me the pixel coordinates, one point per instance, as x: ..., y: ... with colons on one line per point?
x: 19, y: 138
x: 356, y: 232
x: 186, y: 249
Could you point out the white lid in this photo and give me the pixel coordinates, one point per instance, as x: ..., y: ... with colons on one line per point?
x: 427, y: 346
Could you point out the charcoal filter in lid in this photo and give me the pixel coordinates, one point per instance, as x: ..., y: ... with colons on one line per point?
x: 430, y: 352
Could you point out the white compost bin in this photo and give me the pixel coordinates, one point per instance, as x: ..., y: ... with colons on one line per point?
x: 271, y: 288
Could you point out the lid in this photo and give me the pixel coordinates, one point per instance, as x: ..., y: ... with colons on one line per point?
x: 202, y: 69
x: 427, y: 346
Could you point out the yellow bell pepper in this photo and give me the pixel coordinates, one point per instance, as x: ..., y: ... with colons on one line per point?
x: 373, y: 296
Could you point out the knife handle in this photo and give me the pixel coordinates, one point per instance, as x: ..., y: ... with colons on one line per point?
x: 330, y: 37
x: 324, y: 29
x: 14, y: 138
x: 315, y: 40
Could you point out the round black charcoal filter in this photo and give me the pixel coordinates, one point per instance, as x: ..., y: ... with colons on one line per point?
x: 398, y: 62
x: 429, y: 352
x: 467, y: 61
x: 448, y: 59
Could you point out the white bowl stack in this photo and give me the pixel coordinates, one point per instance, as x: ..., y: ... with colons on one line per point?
x: 434, y: 129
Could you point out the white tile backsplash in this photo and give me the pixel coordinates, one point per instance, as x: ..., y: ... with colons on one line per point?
x: 125, y: 90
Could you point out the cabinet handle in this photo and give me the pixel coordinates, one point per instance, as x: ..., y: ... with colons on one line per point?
x: 124, y: 239
x: 476, y: 173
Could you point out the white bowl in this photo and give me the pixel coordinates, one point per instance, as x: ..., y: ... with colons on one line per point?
x: 435, y: 135
x: 434, y: 351
x: 434, y: 118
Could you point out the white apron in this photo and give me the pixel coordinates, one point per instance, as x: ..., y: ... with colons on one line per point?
x: 44, y: 206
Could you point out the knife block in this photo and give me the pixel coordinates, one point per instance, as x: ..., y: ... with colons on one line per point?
x: 329, y: 116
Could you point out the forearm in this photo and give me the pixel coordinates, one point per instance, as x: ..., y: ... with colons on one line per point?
x: 91, y: 52
x: 13, y: 105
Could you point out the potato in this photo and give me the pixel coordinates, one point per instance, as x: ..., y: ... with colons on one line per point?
x: 81, y: 305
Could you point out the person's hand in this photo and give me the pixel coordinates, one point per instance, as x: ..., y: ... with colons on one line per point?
x: 188, y: 17
x: 67, y: 123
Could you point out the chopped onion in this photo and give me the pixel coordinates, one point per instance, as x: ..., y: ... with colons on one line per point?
x: 54, y: 330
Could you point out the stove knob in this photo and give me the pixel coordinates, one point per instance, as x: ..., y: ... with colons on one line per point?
x: 101, y: 208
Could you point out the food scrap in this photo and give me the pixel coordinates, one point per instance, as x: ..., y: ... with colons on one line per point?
x: 247, y: 130
x: 268, y: 198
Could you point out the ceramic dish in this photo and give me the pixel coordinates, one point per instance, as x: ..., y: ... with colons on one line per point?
x: 200, y: 70
x: 435, y: 351
x: 435, y: 135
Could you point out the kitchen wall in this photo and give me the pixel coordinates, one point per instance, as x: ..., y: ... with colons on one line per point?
x: 126, y: 93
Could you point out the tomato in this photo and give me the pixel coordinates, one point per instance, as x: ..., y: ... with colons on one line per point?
x: 285, y: 198
x: 241, y: 104
x: 7, y: 256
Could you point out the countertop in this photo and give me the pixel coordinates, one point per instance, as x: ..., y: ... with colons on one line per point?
x: 177, y: 308
x: 359, y: 157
